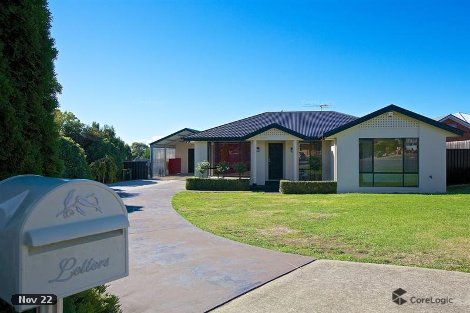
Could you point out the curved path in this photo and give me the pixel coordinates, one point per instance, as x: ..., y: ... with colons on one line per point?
x: 176, y: 267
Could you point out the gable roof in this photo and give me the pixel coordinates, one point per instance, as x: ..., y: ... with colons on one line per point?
x: 462, y: 118
x: 398, y: 109
x: 307, y: 125
x: 174, y: 137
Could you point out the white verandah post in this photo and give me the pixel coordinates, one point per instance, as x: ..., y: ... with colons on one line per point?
x: 253, y: 166
x: 295, y: 158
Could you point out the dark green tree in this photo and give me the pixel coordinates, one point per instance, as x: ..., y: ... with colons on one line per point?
x: 104, y: 170
x: 28, y: 90
x: 98, y: 142
x: 74, y: 158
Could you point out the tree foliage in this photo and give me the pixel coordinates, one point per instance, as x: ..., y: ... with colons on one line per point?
x: 104, y: 170
x: 74, y: 158
x: 28, y: 90
x: 92, y: 300
x: 70, y: 126
x: 140, y: 150
x: 101, y: 145
x: 203, y: 168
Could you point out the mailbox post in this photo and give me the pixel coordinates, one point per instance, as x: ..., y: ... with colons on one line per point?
x: 59, y: 237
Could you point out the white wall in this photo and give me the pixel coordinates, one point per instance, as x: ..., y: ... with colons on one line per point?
x: 181, y: 151
x: 288, y: 161
x: 261, y: 164
x: 326, y: 160
x: 258, y: 156
x: 432, y: 153
x: 333, y: 160
x: 200, y: 153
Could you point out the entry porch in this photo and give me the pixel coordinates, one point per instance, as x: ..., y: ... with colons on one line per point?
x: 271, y: 156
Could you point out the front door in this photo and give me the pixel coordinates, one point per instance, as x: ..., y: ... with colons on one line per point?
x: 190, y: 160
x: 275, y: 161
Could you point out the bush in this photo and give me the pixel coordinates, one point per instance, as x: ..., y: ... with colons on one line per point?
x: 203, y: 167
x: 298, y: 187
x: 240, y: 168
x: 222, y: 168
x: 196, y: 183
x: 92, y: 300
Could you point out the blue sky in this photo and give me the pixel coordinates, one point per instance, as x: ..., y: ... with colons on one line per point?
x: 150, y: 68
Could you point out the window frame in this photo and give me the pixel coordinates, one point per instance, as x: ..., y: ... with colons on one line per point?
x: 212, y: 150
x: 402, y: 173
x: 311, y: 144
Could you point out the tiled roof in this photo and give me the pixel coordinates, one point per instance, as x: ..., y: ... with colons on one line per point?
x: 303, y: 124
x: 174, y: 137
x: 398, y: 109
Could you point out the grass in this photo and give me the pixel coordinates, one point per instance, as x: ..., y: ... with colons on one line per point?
x: 421, y: 230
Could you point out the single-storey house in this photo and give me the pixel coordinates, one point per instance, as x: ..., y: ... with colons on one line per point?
x: 389, y: 150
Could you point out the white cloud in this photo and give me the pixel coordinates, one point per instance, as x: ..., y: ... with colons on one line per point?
x: 144, y: 140
x: 152, y: 139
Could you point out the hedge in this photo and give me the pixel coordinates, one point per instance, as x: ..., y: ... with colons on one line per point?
x: 196, y: 183
x: 297, y: 187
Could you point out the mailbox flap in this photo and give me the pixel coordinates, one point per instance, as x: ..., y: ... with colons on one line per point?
x: 58, y: 233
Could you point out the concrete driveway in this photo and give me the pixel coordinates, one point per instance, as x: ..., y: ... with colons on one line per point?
x: 176, y: 267
x: 333, y: 286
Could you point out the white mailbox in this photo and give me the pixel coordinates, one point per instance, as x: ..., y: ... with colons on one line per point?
x: 59, y: 236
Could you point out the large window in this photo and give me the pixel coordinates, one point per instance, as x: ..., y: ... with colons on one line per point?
x: 310, y: 161
x: 232, y: 153
x: 388, y: 162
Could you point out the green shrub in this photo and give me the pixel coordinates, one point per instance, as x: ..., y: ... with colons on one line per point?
x: 240, y: 168
x: 222, y: 168
x: 297, y: 187
x: 203, y: 167
x: 92, y: 300
x: 196, y: 183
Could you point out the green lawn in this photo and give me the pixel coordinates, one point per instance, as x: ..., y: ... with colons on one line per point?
x: 415, y: 230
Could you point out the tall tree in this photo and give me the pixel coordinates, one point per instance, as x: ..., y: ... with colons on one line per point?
x: 70, y: 126
x: 28, y: 90
x: 140, y: 150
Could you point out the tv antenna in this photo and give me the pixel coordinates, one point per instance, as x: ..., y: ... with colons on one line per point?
x: 321, y: 106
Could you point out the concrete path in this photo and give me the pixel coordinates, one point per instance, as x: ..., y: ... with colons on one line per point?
x: 333, y: 286
x: 176, y: 267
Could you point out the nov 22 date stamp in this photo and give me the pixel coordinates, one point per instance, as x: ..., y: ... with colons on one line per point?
x: 34, y: 299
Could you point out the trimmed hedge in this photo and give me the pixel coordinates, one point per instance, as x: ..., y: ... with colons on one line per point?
x: 211, y: 184
x: 298, y: 187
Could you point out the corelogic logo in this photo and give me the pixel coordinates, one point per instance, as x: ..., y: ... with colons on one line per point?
x: 397, y: 296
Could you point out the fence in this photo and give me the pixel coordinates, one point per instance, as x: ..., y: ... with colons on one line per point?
x: 458, y: 166
x: 463, y: 144
x: 136, y: 170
